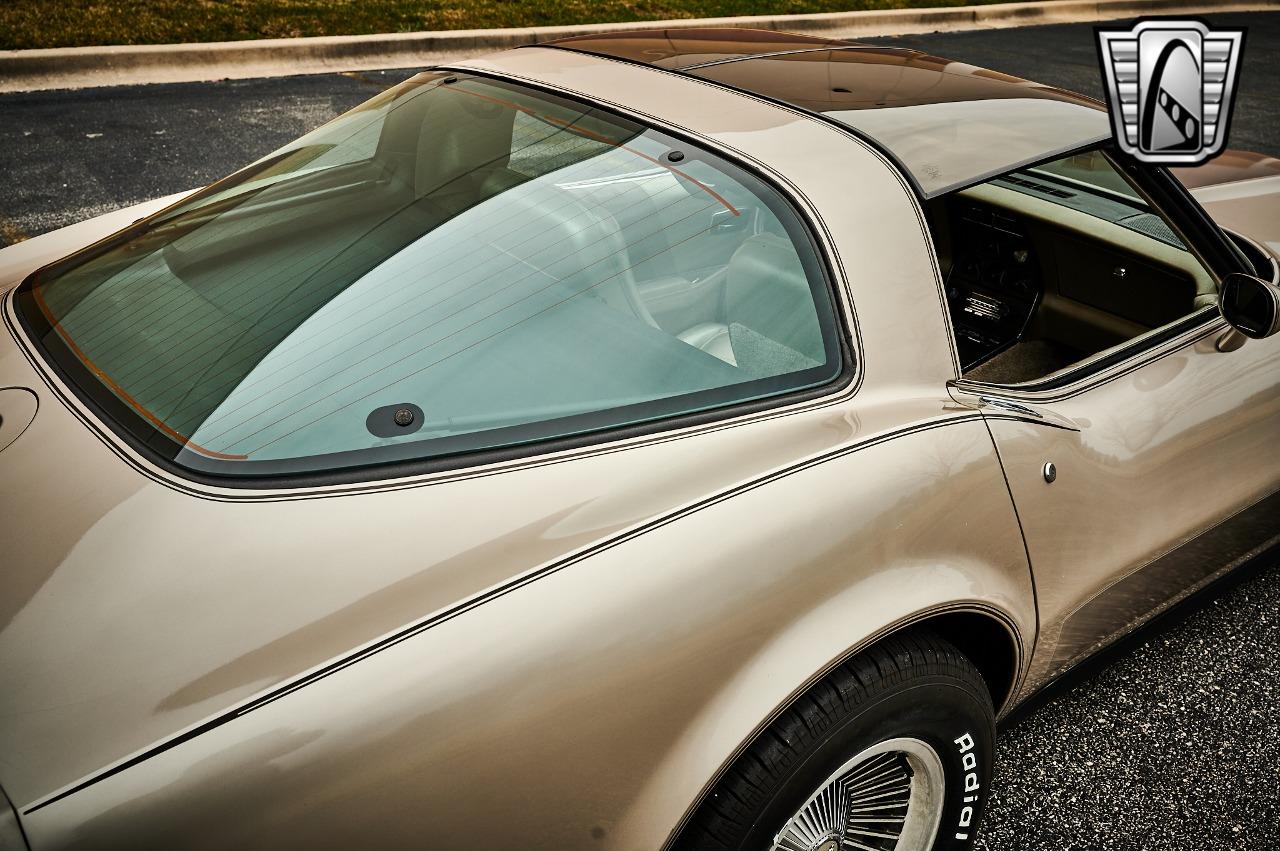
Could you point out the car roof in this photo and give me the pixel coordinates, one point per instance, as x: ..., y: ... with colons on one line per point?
x: 692, y: 46
x: 946, y: 124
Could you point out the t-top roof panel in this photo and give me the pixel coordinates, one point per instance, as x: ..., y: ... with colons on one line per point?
x: 948, y: 124
x: 685, y: 48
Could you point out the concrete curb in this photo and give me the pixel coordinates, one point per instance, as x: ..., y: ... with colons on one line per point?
x: 83, y: 67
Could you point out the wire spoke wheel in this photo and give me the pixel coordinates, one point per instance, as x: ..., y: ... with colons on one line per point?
x: 887, y: 798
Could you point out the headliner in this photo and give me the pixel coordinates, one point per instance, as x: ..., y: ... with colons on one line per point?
x: 947, y: 124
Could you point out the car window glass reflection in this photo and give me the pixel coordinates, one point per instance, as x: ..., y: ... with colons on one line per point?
x: 489, y: 265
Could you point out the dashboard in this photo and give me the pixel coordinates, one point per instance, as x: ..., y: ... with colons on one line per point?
x: 1028, y: 260
x: 994, y: 285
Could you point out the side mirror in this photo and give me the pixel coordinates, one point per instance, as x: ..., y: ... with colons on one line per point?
x: 1250, y: 305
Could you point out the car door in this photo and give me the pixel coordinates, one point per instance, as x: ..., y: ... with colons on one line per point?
x: 1140, y: 477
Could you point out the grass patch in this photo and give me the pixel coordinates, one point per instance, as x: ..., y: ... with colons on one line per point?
x: 73, y: 23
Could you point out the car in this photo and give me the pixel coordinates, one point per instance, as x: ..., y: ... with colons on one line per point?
x: 689, y: 439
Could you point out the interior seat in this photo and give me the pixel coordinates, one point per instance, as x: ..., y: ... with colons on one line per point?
x: 712, y: 338
x: 771, y: 326
x: 463, y: 152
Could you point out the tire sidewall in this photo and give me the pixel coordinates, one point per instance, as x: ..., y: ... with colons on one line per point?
x: 947, y: 714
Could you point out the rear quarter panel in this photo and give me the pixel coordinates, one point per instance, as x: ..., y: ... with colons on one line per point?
x: 1241, y: 191
x: 590, y: 708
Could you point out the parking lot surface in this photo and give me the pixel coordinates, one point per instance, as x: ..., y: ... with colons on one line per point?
x: 1171, y: 743
x: 1174, y: 745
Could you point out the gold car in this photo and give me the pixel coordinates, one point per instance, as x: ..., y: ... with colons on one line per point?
x: 684, y: 440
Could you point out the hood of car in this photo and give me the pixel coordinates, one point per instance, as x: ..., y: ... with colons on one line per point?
x: 134, y: 606
x: 1241, y: 191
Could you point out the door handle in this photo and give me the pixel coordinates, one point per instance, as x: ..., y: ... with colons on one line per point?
x: 1047, y: 417
x: 1013, y: 407
x: 977, y: 398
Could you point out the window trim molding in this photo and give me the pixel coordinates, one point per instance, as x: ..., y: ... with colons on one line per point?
x: 1108, y: 365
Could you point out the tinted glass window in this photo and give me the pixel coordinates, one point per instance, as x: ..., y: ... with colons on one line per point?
x: 1087, y: 182
x: 456, y: 266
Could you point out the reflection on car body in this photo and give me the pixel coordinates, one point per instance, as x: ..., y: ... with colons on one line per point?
x: 690, y: 439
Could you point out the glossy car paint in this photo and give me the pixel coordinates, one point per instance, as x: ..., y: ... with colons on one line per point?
x: 1158, y: 468
x: 1229, y: 167
x: 562, y: 651
x: 689, y: 48
x: 149, y: 608
x: 947, y: 124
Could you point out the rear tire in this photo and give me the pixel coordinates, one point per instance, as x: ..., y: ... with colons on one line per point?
x: 892, y: 750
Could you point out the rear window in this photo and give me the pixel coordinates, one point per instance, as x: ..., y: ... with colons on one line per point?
x: 458, y: 265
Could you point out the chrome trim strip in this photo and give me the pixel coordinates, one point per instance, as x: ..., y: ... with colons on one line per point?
x: 1132, y: 355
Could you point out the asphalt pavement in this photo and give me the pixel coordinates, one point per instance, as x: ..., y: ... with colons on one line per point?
x: 1170, y: 742
x: 69, y: 155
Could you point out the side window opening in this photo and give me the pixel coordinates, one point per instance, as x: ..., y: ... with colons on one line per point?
x: 1048, y: 266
